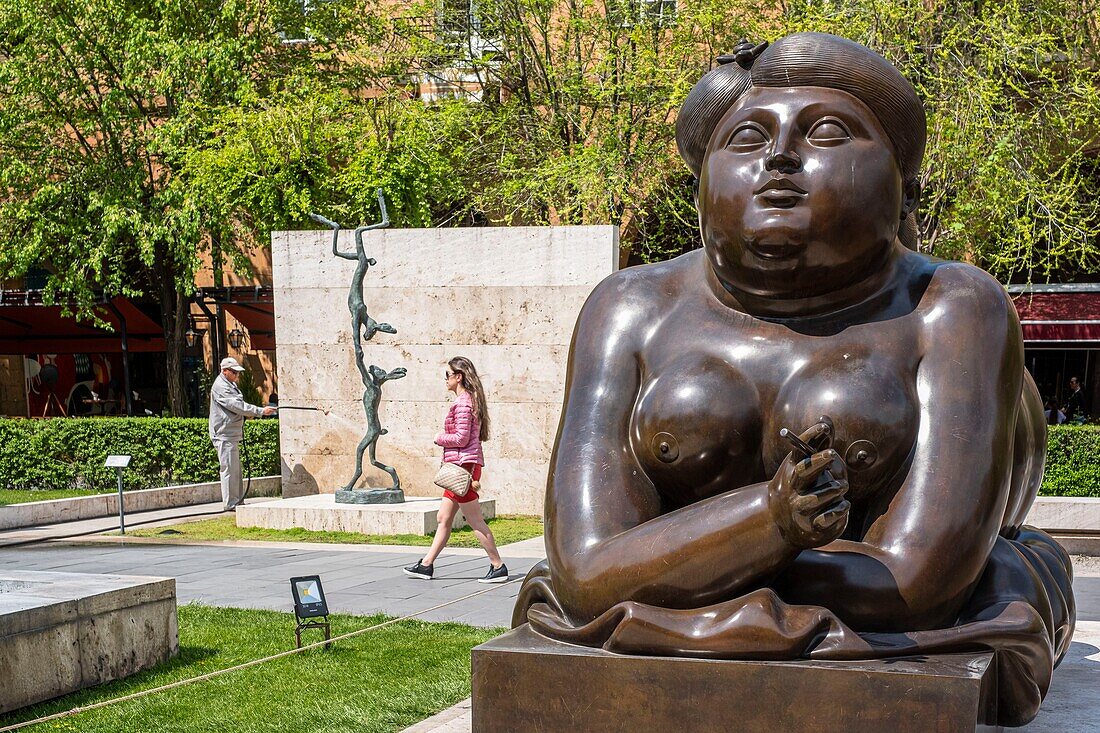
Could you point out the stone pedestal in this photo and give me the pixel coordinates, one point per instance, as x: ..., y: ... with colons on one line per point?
x: 524, y: 681
x: 369, y: 496
x: 61, y: 632
x: 321, y: 513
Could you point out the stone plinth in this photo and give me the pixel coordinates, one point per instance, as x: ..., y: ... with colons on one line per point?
x: 321, y: 513
x: 524, y: 681
x: 510, y: 307
x: 34, y: 513
x: 61, y: 632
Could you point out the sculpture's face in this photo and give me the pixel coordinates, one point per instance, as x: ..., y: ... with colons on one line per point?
x: 799, y: 194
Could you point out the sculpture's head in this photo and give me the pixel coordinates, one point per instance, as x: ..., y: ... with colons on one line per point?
x: 806, y: 153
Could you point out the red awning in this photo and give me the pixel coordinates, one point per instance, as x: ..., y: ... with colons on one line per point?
x: 1064, y: 317
x: 42, y: 329
x: 259, y: 319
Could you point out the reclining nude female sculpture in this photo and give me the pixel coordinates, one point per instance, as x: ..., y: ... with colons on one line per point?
x: 680, y: 522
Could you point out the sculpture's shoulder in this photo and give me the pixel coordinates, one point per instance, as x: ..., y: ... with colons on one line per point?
x: 963, y: 299
x: 965, y: 292
x: 626, y: 302
x: 651, y: 286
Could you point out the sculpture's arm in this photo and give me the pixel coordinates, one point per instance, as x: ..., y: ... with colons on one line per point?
x: 607, y: 538
x: 335, y: 236
x: 919, y: 561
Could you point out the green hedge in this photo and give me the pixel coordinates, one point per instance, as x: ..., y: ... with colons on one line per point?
x: 68, y: 453
x: 1073, y: 461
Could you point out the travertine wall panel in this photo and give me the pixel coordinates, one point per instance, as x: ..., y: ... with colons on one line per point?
x: 509, y: 305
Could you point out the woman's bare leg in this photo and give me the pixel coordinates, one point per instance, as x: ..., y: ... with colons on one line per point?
x: 446, y: 517
x: 484, y: 535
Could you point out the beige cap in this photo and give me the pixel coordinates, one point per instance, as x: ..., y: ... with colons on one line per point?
x: 230, y: 363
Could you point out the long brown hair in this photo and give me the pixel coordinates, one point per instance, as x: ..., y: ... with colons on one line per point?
x: 471, y: 382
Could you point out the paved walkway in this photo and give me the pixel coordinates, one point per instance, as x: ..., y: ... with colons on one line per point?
x: 359, y: 579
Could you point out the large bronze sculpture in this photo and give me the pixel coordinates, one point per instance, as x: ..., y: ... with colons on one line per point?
x: 364, y: 328
x: 680, y: 522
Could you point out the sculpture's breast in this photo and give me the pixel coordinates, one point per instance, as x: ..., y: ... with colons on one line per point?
x: 869, y: 392
x: 695, y: 428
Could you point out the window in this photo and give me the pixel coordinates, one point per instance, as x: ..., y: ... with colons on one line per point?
x: 462, y: 31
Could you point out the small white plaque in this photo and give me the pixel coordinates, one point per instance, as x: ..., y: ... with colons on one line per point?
x: 117, y: 461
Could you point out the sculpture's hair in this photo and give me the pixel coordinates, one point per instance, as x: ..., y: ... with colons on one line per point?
x: 810, y: 60
x: 471, y: 382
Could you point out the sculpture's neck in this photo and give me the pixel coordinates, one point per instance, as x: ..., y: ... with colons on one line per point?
x: 882, y: 275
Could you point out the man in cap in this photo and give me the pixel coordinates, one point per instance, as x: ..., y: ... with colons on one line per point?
x: 227, y: 413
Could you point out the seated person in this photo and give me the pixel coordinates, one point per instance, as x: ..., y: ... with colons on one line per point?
x: 680, y: 522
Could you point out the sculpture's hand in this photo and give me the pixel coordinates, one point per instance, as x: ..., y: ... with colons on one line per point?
x: 806, y: 495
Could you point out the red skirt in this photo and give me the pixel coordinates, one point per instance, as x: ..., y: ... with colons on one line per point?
x: 471, y: 495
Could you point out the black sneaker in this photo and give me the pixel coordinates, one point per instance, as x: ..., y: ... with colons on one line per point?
x: 421, y: 571
x: 495, y: 575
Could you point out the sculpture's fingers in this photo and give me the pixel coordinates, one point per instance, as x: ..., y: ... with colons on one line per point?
x: 819, y: 435
x: 831, y: 518
x: 807, y: 471
x: 828, y: 494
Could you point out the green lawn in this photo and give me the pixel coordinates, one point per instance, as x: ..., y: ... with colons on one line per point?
x: 506, y: 529
x: 383, y: 680
x: 21, y: 496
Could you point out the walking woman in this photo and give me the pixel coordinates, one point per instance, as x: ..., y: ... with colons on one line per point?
x: 466, y: 426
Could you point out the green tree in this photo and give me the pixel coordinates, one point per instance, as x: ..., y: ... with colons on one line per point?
x: 99, y: 102
x: 1010, y: 179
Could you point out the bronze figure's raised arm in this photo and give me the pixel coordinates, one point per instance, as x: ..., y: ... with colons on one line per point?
x: 363, y: 329
x: 681, y: 522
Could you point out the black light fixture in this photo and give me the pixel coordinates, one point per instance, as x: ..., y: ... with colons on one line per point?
x: 236, y: 337
x: 309, y: 604
x: 191, y: 336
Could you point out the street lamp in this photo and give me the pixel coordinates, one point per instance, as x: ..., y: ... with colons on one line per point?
x: 191, y: 336
x: 236, y: 338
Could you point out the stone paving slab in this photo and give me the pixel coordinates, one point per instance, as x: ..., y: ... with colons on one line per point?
x: 258, y: 577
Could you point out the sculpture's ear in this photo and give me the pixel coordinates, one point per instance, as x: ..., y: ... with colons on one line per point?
x: 695, y: 191
x: 911, y: 198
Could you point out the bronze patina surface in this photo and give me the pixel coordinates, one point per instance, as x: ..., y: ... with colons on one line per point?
x: 680, y: 523
x: 364, y: 328
x: 551, y: 686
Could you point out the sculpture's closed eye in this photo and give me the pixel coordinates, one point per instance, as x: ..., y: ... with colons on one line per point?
x: 828, y: 132
x: 746, y: 138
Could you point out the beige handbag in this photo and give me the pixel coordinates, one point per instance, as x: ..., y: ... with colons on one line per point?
x: 453, y: 478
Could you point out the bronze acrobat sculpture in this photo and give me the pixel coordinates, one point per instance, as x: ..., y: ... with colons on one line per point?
x: 363, y: 329
x: 679, y: 522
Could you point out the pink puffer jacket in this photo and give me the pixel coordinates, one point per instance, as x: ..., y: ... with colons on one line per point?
x: 461, y: 429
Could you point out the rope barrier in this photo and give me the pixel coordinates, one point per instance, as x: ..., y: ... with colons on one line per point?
x: 243, y: 665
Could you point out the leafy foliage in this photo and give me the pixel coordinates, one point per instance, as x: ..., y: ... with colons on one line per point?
x: 64, y: 453
x: 1073, y: 461
x: 1013, y: 93
x: 99, y: 101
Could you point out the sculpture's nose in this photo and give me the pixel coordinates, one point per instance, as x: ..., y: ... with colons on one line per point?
x: 784, y: 161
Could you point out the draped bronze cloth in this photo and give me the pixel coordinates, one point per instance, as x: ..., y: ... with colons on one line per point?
x: 1022, y: 610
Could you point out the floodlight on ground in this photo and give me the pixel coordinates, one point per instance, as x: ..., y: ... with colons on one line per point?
x: 119, y: 463
x: 309, y: 604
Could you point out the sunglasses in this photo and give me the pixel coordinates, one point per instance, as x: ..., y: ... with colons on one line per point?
x: 448, y: 375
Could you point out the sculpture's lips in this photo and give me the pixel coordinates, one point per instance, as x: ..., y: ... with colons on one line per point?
x: 780, y: 192
x: 774, y: 251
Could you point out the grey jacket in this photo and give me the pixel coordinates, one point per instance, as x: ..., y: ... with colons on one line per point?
x: 228, y: 410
